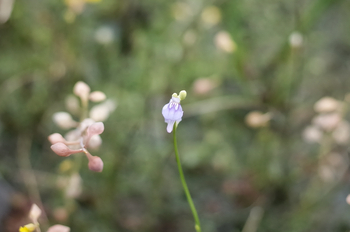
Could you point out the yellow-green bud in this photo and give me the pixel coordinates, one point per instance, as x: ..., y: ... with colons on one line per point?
x: 174, y: 95
x: 182, y: 94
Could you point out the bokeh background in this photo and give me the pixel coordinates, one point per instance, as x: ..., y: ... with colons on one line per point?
x: 233, y: 57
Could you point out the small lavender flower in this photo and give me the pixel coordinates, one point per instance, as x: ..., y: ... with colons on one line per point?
x: 172, y: 112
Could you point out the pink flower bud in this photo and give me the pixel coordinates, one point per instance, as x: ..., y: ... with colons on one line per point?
x: 96, y: 128
x: 58, y: 228
x: 61, y: 149
x: 95, y: 164
x: 56, y: 138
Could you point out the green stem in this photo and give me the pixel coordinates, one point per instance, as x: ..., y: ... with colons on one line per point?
x: 183, y: 181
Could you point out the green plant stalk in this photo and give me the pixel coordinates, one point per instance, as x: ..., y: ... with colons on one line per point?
x: 183, y: 181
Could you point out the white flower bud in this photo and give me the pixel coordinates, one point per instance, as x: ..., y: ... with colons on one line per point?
x: 296, y: 39
x: 341, y: 133
x: 95, y: 142
x: 82, y: 90
x: 327, y: 122
x: 312, y: 134
x: 224, y: 42
x: 101, y: 111
x: 104, y: 35
x: 327, y: 104
x: 348, y: 199
x: 34, y: 213
x: 72, y: 104
x: 6, y: 7
x: 58, y: 228
x: 97, y: 96
x: 257, y: 119
x: 72, y: 135
x: 64, y: 120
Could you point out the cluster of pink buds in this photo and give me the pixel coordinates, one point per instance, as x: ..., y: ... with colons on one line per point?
x: 86, y: 134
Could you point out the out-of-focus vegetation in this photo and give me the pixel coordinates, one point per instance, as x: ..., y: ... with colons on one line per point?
x: 233, y: 57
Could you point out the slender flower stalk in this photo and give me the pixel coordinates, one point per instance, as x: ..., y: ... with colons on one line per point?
x: 172, y: 113
x: 184, y: 185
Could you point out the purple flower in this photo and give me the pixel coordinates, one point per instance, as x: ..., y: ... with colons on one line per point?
x: 172, y: 112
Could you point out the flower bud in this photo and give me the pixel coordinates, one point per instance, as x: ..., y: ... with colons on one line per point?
x: 296, y: 39
x: 96, y: 128
x: 34, y: 213
x: 82, y: 90
x: 61, y: 149
x: 257, y: 119
x: 72, y: 104
x: 101, y: 111
x: 348, y: 199
x: 182, y: 94
x: 95, y: 142
x: 312, y: 134
x: 224, y: 42
x: 97, y: 96
x: 95, y: 164
x: 341, y: 133
x: 327, y: 104
x: 56, y: 138
x: 58, y: 228
x: 64, y: 120
x: 327, y: 122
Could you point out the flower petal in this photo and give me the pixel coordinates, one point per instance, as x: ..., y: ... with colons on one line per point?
x: 170, y: 126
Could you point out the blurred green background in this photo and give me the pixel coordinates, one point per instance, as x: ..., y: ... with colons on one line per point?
x: 232, y: 57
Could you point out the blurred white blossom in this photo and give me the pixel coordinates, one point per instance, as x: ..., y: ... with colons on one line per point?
x: 64, y: 120
x: 72, y: 104
x: 312, y: 134
x: 34, y: 213
x: 97, y: 96
x: 296, y: 39
x: 224, y: 42
x: 327, y: 104
x: 328, y: 121
x: 5, y: 10
x: 102, y: 111
x: 341, y: 133
x: 104, y: 35
x: 257, y: 119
